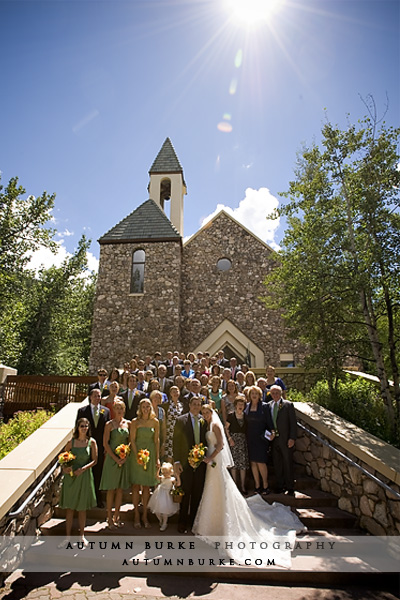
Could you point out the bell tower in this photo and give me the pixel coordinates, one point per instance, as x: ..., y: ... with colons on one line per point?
x: 167, y: 183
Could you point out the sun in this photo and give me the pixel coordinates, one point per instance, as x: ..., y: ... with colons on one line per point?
x: 253, y: 12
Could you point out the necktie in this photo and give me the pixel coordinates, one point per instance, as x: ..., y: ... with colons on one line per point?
x: 275, y: 413
x: 196, y: 430
x: 96, y: 416
x: 130, y: 394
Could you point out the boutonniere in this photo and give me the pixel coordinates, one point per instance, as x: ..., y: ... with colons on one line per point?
x: 105, y: 387
x: 102, y: 411
x: 201, y: 421
x: 280, y: 406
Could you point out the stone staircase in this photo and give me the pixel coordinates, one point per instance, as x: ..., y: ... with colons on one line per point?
x: 316, y: 509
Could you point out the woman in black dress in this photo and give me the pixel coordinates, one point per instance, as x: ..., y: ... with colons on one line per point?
x: 259, y: 421
x: 236, y: 430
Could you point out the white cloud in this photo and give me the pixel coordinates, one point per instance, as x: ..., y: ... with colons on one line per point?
x: 65, y: 233
x: 45, y: 258
x: 252, y: 212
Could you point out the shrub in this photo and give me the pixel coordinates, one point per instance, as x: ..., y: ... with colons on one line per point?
x: 356, y: 400
x: 20, y: 427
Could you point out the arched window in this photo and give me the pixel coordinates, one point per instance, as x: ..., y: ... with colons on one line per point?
x: 137, y: 276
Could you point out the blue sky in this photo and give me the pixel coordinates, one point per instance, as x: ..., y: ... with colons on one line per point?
x: 91, y: 89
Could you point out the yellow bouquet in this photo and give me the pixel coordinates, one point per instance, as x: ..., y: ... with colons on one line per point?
x: 196, y: 455
x: 122, y: 451
x: 65, y: 459
x: 143, y: 457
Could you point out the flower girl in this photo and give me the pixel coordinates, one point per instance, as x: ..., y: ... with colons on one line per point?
x: 161, y: 502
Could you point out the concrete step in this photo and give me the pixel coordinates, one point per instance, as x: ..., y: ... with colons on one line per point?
x: 326, y: 518
x: 308, y: 498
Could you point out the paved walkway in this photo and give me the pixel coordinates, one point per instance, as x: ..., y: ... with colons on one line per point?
x: 109, y: 586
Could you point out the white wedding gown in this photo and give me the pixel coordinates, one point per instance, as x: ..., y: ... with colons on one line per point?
x: 252, y: 524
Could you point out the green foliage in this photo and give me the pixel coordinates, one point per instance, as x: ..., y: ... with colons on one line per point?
x: 19, y: 428
x: 356, y: 400
x: 45, y: 318
x: 340, y: 270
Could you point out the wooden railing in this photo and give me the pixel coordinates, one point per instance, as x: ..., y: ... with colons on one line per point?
x: 27, y: 392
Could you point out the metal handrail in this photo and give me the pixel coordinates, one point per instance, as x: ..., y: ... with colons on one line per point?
x: 33, y: 493
x: 354, y: 464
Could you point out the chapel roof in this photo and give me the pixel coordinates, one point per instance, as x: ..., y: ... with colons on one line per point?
x: 147, y: 223
x: 166, y: 160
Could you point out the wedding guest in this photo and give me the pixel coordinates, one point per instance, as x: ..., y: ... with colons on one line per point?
x: 226, y: 376
x: 228, y: 399
x: 236, y: 427
x: 215, y: 393
x: 174, y: 411
x: 259, y: 420
x: 154, y: 384
x: 101, y: 383
x: 215, y: 370
x: 156, y: 400
x: 97, y: 415
x: 116, y: 475
x: 144, y: 435
x: 240, y: 382
x: 285, y: 424
x: 187, y: 372
x: 272, y: 380
x: 180, y: 383
x: 114, y: 375
x: 77, y: 492
x: 110, y: 399
x: 249, y: 378
x: 132, y: 396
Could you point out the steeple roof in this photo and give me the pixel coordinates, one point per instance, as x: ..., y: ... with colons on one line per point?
x: 147, y: 223
x: 166, y: 160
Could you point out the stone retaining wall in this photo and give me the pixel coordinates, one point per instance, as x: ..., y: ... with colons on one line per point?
x: 39, y: 510
x: 377, y: 509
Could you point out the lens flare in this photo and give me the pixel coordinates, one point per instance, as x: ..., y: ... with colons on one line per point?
x: 253, y: 12
x: 224, y: 127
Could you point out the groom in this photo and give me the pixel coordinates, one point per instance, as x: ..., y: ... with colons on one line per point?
x: 190, y: 429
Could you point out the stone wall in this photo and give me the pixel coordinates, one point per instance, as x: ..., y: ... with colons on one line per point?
x: 377, y: 509
x: 38, y: 511
x: 209, y: 296
x: 125, y: 324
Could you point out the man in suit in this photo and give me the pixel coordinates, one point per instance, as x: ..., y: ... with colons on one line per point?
x: 222, y: 361
x: 97, y: 416
x: 233, y: 367
x: 101, y: 384
x: 164, y: 381
x: 132, y: 396
x: 190, y: 429
x: 194, y: 391
x: 285, y: 425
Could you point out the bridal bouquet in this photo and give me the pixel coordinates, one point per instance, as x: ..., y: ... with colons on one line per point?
x: 65, y: 459
x: 196, y: 455
x: 122, y: 451
x: 143, y: 457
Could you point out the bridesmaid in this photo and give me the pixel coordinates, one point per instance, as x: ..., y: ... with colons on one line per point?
x: 144, y: 435
x: 116, y: 476
x: 77, y: 492
x: 109, y: 400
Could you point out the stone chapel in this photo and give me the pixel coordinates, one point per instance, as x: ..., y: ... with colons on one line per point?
x: 155, y: 292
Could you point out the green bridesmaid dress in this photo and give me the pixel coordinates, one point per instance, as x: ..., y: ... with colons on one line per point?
x: 114, y: 476
x: 140, y: 476
x: 77, y: 493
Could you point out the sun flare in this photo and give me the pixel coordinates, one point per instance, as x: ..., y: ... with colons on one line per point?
x: 253, y: 12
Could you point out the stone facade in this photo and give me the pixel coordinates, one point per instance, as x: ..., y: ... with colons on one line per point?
x: 377, y: 509
x: 125, y: 324
x: 209, y: 295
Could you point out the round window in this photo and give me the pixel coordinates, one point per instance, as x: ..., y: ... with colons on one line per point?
x: 224, y: 264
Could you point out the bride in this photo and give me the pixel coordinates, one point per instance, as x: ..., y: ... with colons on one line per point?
x: 258, y: 530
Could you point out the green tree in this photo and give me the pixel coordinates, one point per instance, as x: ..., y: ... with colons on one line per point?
x: 339, y: 280
x: 55, y: 336
x: 45, y: 318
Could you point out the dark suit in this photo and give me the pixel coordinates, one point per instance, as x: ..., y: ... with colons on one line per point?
x: 224, y: 362
x: 168, y: 383
x: 192, y: 479
x: 96, y: 386
x: 235, y: 370
x: 282, y: 456
x: 131, y: 413
x: 97, y: 433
